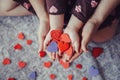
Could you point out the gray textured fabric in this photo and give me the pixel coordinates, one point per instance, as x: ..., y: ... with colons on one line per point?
x: 108, y: 63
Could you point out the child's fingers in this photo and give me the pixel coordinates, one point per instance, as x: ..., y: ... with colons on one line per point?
x: 76, y: 46
x: 46, y: 41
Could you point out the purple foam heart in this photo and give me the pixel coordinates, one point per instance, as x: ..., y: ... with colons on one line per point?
x: 52, y: 47
x: 93, y: 71
x: 32, y: 75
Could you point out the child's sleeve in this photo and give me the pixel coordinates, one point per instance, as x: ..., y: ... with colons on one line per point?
x: 83, y: 9
x: 56, y: 6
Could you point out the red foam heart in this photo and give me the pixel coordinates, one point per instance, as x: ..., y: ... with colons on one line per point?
x: 84, y: 78
x: 18, y: 47
x: 6, y: 61
x: 22, y: 64
x: 63, y: 46
x: 79, y: 66
x: 47, y: 64
x: 65, y: 38
x: 29, y: 42
x: 42, y: 54
x: 97, y: 51
x: 21, y: 36
x: 70, y: 77
x: 11, y: 78
x: 69, y: 52
x: 64, y: 64
x: 55, y: 34
x: 52, y: 76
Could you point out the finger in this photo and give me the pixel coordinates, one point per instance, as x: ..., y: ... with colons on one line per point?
x: 76, y: 46
x: 75, y: 56
x: 53, y: 56
x: 84, y: 45
x: 49, y: 55
x: 47, y: 41
x: 41, y: 41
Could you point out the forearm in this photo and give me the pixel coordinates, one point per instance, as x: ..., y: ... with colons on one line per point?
x: 40, y: 8
x: 103, y: 10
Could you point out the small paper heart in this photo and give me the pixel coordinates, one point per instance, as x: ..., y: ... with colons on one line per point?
x: 52, y: 47
x: 63, y: 46
x: 53, y: 9
x: 64, y: 64
x: 93, y: 71
x: 47, y: 64
x: 65, y: 38
x: 29, y: 42
x: 55, y: 34
x: 17, y: 47
x: 97, y: 51
x: 6, y: 61
x: 52, y: 76
x: 11, y: 78
x: 70, y: 77
x: 32, y: 75
x: 42, y: 53
x: 21, y: 36
x: 22, y: 64
x: 79, y: 66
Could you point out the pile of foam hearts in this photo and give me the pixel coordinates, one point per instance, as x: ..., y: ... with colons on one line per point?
x: 61, y: 42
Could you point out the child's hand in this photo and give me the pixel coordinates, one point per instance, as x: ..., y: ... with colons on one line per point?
x: 75, y: 40
x: 42, y: 32
x: 48, y: 39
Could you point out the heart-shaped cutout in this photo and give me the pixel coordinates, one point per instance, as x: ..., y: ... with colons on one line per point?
x: 52, y: 47
x: 70, y: 77
x: 63, y: 46
x: 55, y: 34
x: 69, y: 52
x: 52, y: 76
x: 97, y: 51
x: 47, y: 64
x: 93, y: 71
x: 6, y: 61
x: 42, y: 54
x: 64, y: 64
x: 18, y: 47
x: 53, y: 9
x: 22, y: 64
x: 32, y: 75
x: 21, y: 36
x: 65, y: 38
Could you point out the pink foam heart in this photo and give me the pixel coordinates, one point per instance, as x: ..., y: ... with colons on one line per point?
x: 53, y: 9
x: 94, y: 3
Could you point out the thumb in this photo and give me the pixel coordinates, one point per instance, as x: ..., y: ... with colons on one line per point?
x: 76, y: 46
x: 84, y: 44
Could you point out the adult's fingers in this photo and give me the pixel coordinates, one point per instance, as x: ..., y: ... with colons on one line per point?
x: 76, y: 55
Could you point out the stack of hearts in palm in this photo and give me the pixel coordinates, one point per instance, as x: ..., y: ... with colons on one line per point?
x: 61, y: 42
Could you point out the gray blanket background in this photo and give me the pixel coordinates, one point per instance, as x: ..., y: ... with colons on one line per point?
x: 108, y: 62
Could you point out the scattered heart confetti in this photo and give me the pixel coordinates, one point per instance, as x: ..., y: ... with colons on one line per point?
x: 63, y: 46
x: 21, y: 36
x: 33, y: 75
x: 52, y: 47
x: 47, y: 64
x: 65, y: 38
x: 55, y: 34
x: 52, y: 76
x: 93, y: 71
x: 29, y: 42
x: 70, y: 77
x: 11, y: 78
x: 22, y: 64
x: 53, y: 9
x: 6, y: 61
x: 42, y: 54
x: 64, y: 64
x: 79, y: 66
x: 84, y: 78
x: 17, y: 47
x: 97, y: 51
